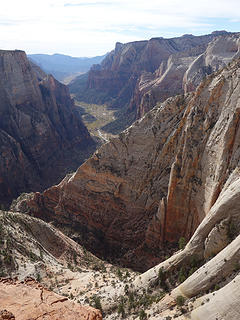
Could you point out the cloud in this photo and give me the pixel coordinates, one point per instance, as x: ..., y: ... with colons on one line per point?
x: 89, y: 28
x: 87, y: 4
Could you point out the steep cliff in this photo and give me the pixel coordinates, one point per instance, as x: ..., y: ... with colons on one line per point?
x: 157, y: 181
x: 42, y: 136
x: 205, y: 275
x: 136, y: 75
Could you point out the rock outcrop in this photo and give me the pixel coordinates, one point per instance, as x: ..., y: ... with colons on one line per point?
x: 29, y: 300
x: 136, y: 75
x: 157, y: 181
x: 42, y: 136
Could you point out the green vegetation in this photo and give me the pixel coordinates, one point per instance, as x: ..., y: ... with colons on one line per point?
x: 119, y: 274
x: 121, y: 309
x: 95, y: 117
x: 182, y: 243
x: 232, y: 231
x: 96, y: 303
x: 161, y: 277
x: 217, y: 287
x: 182, y: 275
x: 180, y: 300
x: 142, y: 315
x: 135, y: 302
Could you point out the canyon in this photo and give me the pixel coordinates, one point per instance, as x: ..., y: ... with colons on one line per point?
x: 190, y: 188
x: 148, y: 226
x: 155, y: 183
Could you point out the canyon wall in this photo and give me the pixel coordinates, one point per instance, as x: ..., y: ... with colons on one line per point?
x: 42, y: 136
x: 136, y: 75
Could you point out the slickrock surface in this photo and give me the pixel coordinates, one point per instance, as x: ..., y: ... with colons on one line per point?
x: 29, y: 300
x: 42, y: 136
x: 157, y: 181
x: 136, y: 75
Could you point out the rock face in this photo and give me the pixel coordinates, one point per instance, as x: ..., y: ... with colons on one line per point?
x: 157, y: 181
x: 212, y: 275
x: 136, y: 75
x: 42, y: 136
x: 29, y: 300
x: 184, y: 71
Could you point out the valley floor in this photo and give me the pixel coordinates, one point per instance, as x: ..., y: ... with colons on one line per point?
x: 95, y: 117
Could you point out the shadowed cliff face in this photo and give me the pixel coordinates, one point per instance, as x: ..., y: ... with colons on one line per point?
x: 157, y: 180
x: 41, y: 135
x: 136, y: 75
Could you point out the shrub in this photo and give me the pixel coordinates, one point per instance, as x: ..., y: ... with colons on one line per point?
x: 142, y: 315
x: 182, y: 275
x: 182, y: 243
x: 121, y: 310
x: 96, y: 303
x: 162, y: 279
x: 180, y: 301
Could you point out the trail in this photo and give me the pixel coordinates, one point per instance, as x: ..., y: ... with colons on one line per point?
x: 102, y: 136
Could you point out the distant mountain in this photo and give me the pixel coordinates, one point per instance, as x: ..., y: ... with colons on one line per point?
x: 62, y: 66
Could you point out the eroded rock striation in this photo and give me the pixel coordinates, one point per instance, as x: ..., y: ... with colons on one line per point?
x: 42, y: 136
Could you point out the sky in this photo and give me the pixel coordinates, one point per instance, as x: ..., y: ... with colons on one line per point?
x: 86, y: 28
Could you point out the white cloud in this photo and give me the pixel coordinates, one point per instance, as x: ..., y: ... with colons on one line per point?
x: 91, y: 27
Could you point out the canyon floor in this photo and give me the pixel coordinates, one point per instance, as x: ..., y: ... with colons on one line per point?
x: 95, y: 117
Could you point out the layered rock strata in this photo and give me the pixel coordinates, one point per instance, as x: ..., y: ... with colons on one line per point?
x: 42, y: 136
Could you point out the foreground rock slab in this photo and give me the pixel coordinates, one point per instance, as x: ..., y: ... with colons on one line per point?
x: 29, y: 300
